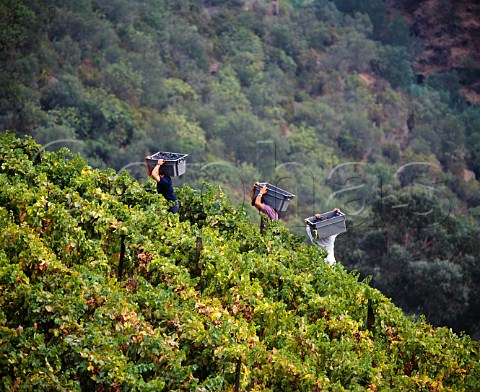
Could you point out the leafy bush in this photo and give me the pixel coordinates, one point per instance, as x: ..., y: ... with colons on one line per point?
x: 202, y: 302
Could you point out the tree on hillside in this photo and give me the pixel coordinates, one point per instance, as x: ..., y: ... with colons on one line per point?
x: 419, y: 255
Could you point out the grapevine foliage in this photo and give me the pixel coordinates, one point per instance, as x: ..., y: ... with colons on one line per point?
x: 202, y: 302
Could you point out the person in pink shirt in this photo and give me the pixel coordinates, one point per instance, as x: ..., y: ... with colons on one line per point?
x: 260, y: 205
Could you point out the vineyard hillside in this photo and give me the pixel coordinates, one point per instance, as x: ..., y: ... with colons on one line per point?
x: 101, y: 289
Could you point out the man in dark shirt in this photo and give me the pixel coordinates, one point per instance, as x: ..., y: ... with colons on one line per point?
x: 164, y: 184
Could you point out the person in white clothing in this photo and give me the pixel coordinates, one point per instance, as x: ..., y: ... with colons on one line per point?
x: 327, y: 243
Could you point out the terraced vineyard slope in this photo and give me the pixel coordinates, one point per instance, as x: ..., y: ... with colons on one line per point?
x: 102, y: 290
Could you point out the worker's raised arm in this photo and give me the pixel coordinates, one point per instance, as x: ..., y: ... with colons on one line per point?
x: 258, y: 199
x: 155, y: 173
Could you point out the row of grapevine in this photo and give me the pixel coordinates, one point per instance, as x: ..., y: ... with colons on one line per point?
x: 102, y: 290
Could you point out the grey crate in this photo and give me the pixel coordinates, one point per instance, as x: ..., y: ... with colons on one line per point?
x: 275, y: 197
x: 329, y: 223
x: 174, y: 164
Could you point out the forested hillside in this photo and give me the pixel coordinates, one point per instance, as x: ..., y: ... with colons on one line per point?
x: 103, y: 290
x: 366, y: 106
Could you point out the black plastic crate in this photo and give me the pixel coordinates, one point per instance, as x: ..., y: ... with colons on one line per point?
x: 174, y: 164
x: 329, y: 223
x: 275, y: 197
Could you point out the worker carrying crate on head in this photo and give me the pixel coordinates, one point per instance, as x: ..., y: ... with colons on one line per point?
x: 269, y: 200
x: 322, y: 229
x: 162, y: 166
x: 258, y: 201
x: 164, y: 185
